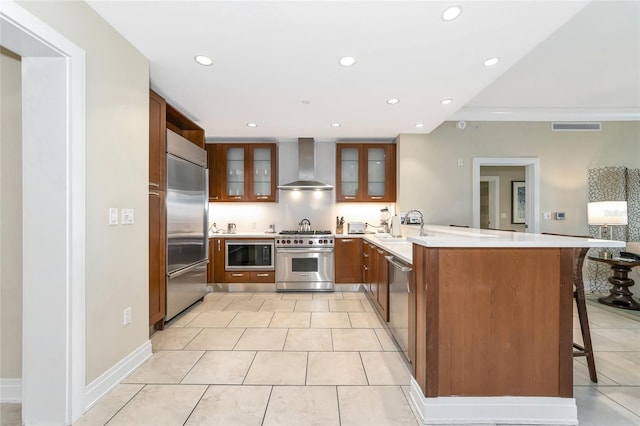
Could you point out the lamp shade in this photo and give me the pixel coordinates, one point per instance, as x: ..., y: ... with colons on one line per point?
x: 607, y: 213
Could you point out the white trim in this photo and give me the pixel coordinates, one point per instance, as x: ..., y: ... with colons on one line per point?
x: 532, y: 185
x: 532, y: 410
x: 116, y: 374
x: 33, y: 39
x: 545, y: 114
x: 10, y: 391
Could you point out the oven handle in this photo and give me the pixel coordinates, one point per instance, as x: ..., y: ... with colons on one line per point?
x: 304, y: 250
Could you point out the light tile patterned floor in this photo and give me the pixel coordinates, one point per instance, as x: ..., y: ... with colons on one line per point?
x: 319, y: 359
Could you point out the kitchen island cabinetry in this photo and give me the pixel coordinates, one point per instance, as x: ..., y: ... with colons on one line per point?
x: 494, y: 326
x: 365, y: 172
x: 242, y: 172
x: 348, y: 260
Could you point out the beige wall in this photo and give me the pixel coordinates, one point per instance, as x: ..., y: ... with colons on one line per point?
x: 10, y: 216
x: 506, y: 175
x: 117, y: 82
x: 429, y: 177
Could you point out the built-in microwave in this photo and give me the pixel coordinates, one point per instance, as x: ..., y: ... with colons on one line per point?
x: 249, y: 254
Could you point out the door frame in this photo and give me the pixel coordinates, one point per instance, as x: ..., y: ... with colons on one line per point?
x: 494, y: 197
x: 53, y: 242
x: 532, y: 187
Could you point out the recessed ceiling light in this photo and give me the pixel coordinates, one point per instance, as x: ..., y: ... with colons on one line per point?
x: 252, y: 125
x: 347, y: 61
x: 446, y: 101
x: 420, y: 125
x: 306, y: 102
x: 336, y: 124
x: 204, y: 60
x: 451, y: 13
x: 393, y: 101
x: 489, y: 62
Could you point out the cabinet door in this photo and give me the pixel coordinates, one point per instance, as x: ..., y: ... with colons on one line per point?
x: 382, y: 274
x: 218, y: 260
x: 211, y: 264
x: 348, y: 170
x: 348, y: 265
x: 380, y: 172
x: 157, y: 258
x: 157, y: 141
x: 263, y: 182
x: 236, y: 160
x: 216, y: 174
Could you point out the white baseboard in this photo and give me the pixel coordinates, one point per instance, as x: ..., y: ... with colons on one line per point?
x: 115, y: 375
x: 11, y: 391
x: 493, y: 410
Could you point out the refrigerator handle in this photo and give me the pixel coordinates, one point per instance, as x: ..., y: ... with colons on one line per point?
x: 185, y: 270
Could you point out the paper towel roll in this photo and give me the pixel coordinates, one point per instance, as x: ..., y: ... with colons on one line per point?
x: 395, y: 227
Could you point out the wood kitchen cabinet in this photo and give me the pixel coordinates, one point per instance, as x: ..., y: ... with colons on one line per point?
x: 376, y: 277
x: 348, y: 260
x: 185, y: 127
x: 365, y: 172
x: 157, y: 232
x: 382, y: 283
x: 242, y: 172
x: 215, y: 271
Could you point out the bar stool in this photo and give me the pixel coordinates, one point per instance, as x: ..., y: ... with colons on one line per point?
x: 586, y: 349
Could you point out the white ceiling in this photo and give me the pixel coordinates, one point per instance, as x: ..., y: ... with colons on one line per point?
x: 276, y: 63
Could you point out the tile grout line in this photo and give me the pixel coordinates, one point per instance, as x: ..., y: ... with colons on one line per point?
x: 196, y: 405
x: 144, y: 385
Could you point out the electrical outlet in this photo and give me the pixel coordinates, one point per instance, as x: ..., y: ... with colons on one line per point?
x: 253, y: 225
x: 113, y: 216
x: 460, y: 162
x: 127, y: 316
x: 546, y: 215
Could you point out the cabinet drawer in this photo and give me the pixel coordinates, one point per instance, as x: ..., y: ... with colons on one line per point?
x: 263, y: 277
x: 250, y: 277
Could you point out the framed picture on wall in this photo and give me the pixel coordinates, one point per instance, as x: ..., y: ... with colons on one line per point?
x: 517, y: 201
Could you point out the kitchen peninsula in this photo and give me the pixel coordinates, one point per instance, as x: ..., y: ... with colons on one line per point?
x: 493, y: 325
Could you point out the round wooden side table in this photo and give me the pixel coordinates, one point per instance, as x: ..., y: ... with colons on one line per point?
x: 620, y: 296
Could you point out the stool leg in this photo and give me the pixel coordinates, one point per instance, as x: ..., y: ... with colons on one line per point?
x: 586, y: 333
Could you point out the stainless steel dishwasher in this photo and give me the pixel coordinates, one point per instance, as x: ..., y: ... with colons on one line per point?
x: 399, y: 302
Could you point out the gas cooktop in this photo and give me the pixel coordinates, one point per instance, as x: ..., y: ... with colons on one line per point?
x: 305, y: 232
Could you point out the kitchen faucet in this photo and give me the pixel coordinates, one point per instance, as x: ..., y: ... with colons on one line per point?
x: 423, y: 233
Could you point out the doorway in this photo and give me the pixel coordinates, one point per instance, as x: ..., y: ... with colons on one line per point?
x: 53, y: 217
x: 489, y: 202
x: 531, y: 182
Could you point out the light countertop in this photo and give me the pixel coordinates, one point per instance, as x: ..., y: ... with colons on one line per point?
x: 265, y: 235
x: 445, y: 236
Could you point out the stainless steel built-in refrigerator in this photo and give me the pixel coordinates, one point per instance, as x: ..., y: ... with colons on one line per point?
x: 187, y: 219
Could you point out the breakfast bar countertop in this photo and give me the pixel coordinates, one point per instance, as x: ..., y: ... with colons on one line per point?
x: 445, y: 236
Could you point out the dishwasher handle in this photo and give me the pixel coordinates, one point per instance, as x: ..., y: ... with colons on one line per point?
x: 398, y: 265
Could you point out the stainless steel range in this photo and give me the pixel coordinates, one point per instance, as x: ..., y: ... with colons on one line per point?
x: 304, y: 261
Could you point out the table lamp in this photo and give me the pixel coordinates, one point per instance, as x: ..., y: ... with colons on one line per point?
x: 604, y: 214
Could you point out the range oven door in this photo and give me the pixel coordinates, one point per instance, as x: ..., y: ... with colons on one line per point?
x: 304, y: 269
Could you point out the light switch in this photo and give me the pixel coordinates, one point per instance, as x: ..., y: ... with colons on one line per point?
x: 127, y: 216
x: 546, y: 215
x: 113, y: 216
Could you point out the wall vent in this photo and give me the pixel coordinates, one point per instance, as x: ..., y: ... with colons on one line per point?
x: 580, y: 126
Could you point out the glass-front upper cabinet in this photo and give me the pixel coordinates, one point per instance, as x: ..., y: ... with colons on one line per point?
x: 263, y: 186
x: 235, y: 172
x: 365, y: 172
x: 242, y: 172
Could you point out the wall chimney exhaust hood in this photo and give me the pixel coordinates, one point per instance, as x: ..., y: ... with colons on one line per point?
x: 306, y: 169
